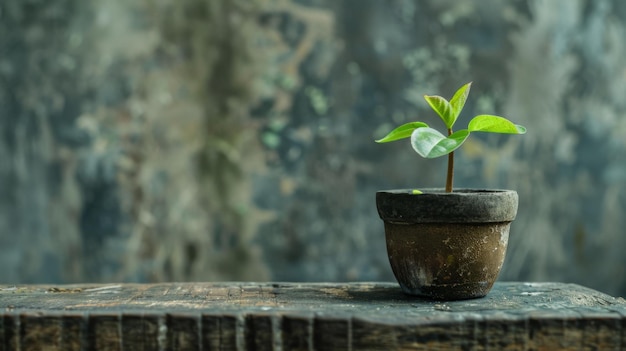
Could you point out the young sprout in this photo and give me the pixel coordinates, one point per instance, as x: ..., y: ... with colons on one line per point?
x: 430, y: 143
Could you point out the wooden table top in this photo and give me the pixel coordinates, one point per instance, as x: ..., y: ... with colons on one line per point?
x: 306, y: 316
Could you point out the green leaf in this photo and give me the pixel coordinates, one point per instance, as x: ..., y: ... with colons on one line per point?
x: 494, y: 124
x: 458, y: 100
x: 416, y: 192
x: 430, y: 143
x: 403, y: 131
x: 442, y: 107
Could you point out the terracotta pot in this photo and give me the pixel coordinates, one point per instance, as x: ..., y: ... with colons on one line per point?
x: 447, y: 246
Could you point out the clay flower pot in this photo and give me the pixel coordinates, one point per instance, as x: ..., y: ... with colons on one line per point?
x: 447, y: 246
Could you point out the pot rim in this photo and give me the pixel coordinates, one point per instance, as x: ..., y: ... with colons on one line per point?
x: 442, y: 191
x: 434, y: 205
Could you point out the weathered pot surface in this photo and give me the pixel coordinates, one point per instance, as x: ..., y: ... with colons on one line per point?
x: 447, y: 246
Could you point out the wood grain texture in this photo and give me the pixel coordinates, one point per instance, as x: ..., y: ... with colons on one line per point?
x: 319, y: 316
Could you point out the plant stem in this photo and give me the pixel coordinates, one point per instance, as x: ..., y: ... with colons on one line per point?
x: 450, y: 177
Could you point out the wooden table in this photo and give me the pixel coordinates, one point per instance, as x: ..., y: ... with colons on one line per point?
x: 322, y: 316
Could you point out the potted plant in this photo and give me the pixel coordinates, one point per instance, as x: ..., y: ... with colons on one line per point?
x: 447, y: 244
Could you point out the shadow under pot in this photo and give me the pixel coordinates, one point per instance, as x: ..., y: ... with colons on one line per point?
x: 447, y: 246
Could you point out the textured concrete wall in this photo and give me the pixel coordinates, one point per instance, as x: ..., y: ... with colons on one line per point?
x: 233, y: 139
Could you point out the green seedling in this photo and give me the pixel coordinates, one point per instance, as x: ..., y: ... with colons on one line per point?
x: 430, y: 143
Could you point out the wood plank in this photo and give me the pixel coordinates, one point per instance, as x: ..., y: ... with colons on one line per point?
x: 297, y: 332
x: 37, y: 330
x: 104, y: 331
x: 140, y: 331
x: 10, y: 331
x: 260, y: 332
x: 332, y: 332
x: 183, y: 331
x: 74, y: 332
x: 316, y: 316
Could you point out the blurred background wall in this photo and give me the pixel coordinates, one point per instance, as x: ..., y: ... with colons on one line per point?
x: 161, y: 140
